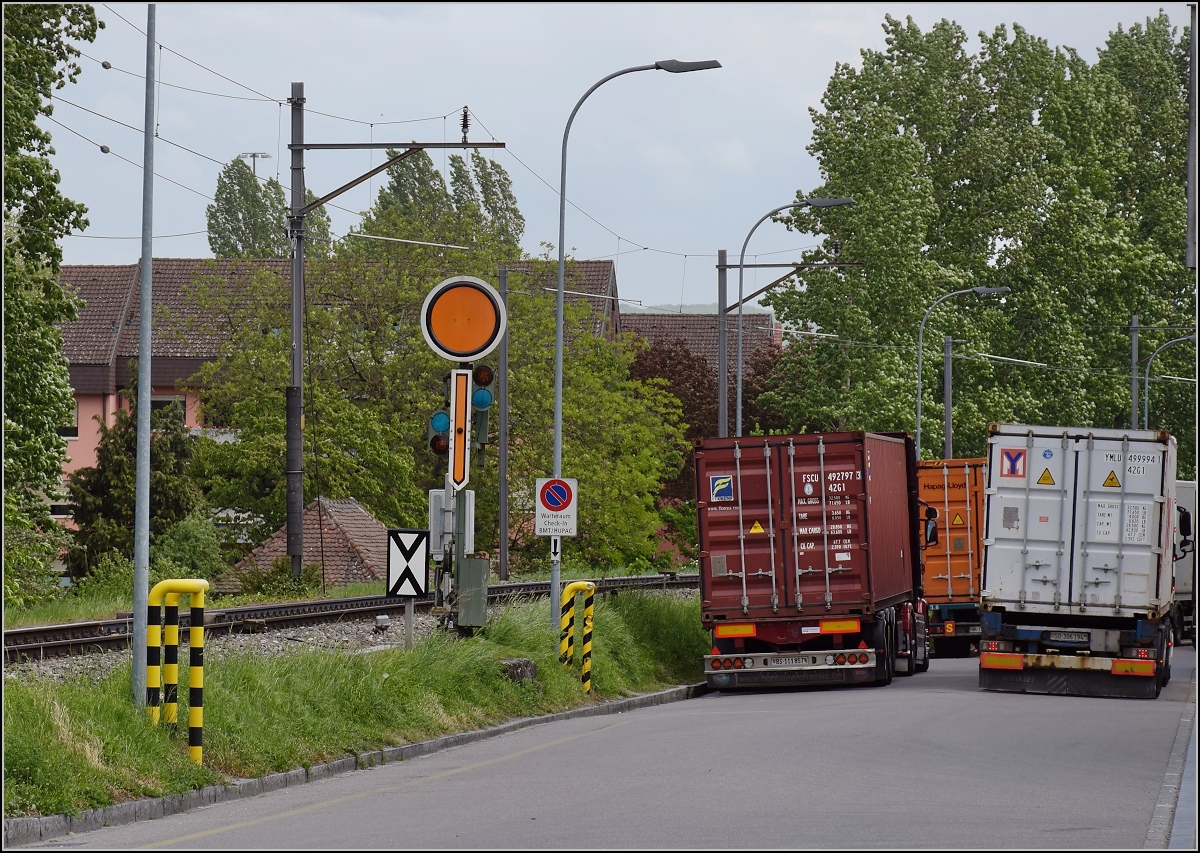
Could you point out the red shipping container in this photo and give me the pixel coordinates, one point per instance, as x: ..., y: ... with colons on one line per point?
x: 806, y: 526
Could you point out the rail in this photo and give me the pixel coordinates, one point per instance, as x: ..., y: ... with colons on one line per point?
x: 75, y: 638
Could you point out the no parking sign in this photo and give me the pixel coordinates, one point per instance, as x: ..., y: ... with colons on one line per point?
x: 556, y: 515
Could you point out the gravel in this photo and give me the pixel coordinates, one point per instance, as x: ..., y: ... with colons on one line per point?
x: 356, y: 635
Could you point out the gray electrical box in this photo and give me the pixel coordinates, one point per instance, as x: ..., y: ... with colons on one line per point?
x: 472, y: 592
x: 441, y: 525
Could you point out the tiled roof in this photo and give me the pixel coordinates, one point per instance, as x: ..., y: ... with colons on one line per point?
x: 339, y: 535
x: 105, y: 337
x: 108, y: 323
x: 699, y: 332
x: 591, y: 282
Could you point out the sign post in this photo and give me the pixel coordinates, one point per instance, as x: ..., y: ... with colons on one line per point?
x: 407, y: 571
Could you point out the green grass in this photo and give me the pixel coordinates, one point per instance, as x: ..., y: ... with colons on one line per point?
x: 75, y: 746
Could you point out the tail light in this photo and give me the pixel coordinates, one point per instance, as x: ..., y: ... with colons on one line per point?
x: 732, y: 663
x: 995, y: 646
x: 1138, y: 653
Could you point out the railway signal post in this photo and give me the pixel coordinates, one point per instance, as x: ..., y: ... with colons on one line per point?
x: 463, y: 319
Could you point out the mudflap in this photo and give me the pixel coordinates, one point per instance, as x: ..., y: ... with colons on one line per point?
x: 734, y: 679
x: 1068, y: 683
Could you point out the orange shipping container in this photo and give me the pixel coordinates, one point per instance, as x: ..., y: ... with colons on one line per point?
x: 953, y: 567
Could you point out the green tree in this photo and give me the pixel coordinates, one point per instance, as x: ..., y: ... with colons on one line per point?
x: 39, y: 57
x: 249, y: 218
x: 104, y: 495
x: 1020, y: 167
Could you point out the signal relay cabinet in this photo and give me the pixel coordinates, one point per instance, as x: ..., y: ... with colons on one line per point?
x: 810, y: 559
x: 1082, y: 529
x: 954, y: 567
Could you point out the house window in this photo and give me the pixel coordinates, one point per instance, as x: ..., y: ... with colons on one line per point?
x: 161, y: 402
x: 60, y: 510
x: 71, y: 431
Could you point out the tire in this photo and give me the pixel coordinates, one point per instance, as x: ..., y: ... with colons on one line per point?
x: 1166, y: 670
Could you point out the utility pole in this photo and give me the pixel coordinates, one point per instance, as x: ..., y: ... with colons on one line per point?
x: 253, y: 157
x: 722, y: 348
x: 1133, y: 381
x: 141, y: 497
x: 299, y: 210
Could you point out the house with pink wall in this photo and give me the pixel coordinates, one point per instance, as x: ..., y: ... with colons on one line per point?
x: 101, y: 345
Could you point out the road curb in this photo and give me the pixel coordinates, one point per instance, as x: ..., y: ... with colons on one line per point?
x: 29, y: 830
x: 1162, y: 824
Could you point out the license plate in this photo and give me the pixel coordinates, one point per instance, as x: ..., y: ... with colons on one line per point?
x: 974, y: 629
x: 790, y: 661
x: 1069, y: 636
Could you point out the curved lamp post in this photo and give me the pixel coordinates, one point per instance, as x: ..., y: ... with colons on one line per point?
x: 673, y: 66
x: 808, y: 202
x: 1146, y: 383
x: 978, y: 291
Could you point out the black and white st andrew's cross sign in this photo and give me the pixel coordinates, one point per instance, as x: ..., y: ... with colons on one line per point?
x: 407, y: 562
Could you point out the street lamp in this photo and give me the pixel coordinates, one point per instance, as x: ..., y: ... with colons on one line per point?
x: 808, y: 202
x: 1146, y: 384
x: 978, y: 291
x: 674, y: 66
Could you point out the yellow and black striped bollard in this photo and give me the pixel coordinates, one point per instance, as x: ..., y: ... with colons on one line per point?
x: 167, y: 677
x: 566, y: 641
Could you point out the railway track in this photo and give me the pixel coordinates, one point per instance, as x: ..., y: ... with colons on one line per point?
x: 77, y: 638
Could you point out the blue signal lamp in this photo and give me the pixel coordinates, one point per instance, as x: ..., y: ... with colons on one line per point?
x: 481, y: 398
x: 440, y: 422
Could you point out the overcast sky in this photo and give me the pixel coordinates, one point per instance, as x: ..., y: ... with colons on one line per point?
x: 662, y: 169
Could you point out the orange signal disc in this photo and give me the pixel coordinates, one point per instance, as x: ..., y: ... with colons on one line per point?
x: 463, y: 318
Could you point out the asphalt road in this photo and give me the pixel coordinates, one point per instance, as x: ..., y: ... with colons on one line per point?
x: 930, y: 762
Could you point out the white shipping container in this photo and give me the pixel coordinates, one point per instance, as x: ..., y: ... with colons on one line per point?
x: 1079, y: 520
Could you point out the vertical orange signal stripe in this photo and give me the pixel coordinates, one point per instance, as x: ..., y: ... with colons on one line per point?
x: 460, y: 403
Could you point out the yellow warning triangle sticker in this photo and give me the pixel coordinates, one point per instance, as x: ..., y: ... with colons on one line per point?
x: 958, y: 519
x: 1112, y: 482
x: 1047, y: 480
x: 757, y: 528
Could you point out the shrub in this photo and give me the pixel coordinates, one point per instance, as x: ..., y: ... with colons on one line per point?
x: 29, y: 552
x: 193, y: 548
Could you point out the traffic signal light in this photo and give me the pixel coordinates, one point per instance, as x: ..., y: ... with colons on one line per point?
x: 483, y: 395
x: 437, y: 435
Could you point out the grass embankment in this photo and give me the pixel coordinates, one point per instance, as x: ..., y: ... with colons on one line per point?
x: 81, y: 745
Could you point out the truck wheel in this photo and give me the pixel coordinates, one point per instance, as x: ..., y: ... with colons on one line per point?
x: 1166, y: 669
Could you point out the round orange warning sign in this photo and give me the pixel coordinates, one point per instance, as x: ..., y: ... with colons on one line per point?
x: 463, y: 318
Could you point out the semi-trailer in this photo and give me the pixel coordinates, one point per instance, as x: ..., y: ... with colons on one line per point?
x: 810, y: 559
x: 953, y: 570
x: 1078, y: 565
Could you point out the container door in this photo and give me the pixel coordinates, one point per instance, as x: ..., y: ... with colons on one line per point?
x: 954, y: 487
x: 1118, y: 525
x: 739, y: 526
x: 1031, y: 481
x: 822, y: 494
